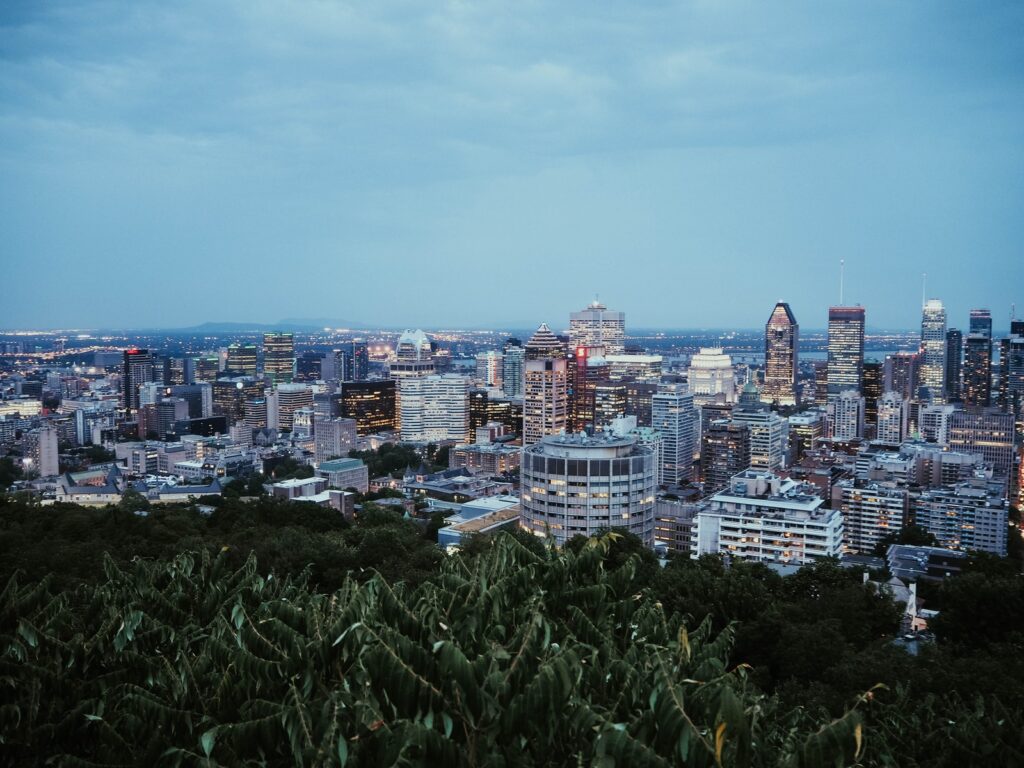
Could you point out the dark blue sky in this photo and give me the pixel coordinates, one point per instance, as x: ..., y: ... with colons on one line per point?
x: 485, y: 164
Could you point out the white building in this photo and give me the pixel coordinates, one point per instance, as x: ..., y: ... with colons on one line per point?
x: 579, y: 484
x: 489, y: 368
x: 675, y: 417
x: 871, y: 511
x: 333, y: 438
x: 637, y: 367
x: 846, y: 414
x: 597, y: 326
x: 933, y: 423
x: 435, y: 408
x: 41, y: 451
x: 345, y: 473
x: 932, y: 371
x: 764, y: 518
x: 893, y: 418
x: 711, y: 377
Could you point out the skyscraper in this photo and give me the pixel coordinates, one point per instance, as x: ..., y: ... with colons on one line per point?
x: 900, y: 373
x: 674, y: 416
x: 893, y: 419
x: 360, y: 355
x: 846, y: 410
x: 954, y: 365
x: 710, y: 376
x: 512, y: 368
x: 370, y: 403
x: 546, y: 387
x: 769, y: 432
x: 589, y: 368
x: 933, y: 349
x: 597, y: 326
x: 489, y: 366
x: 872, y: 390
x: 981, y: 322
x: 724, y: 452
x: 978, y: 369
x: 845, y: 349
x: 242, y: 360
x: 782, y: 335
x: 435, y: 408
x: 279, y: 357
x: 412, y: 356
x: 137, y: 369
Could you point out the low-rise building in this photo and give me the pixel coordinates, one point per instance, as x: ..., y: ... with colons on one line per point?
x: 345, y: 473
x: 966, y: 516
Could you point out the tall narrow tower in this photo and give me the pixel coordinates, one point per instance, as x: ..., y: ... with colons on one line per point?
x: 781, y: 336
x: 546, y: 387
x: 845, y: 349
x: 933, y: 349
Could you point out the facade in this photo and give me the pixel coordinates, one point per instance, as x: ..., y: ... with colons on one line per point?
x: 332, y: 438
x: 967, y: 516
x: 871, y: 388
x: 136, y: 370
x: 589, y: 369
x: 242, y: 360
x: 845, y: 349
x: 782, y: 337
x: 846, y: 413
x: 597, y: 326
x: 893, y: 419
x: 675, y: 417
x: 345, y: 473
x: 290, y: 398
x: 954, y: 365
x: 42, y: 452
x: 978, y: 370
x: 577, y: 485
x: 609, y: 403
x: 871, y: 511
x: 634, y: 367
x: 279, y: 357
x: 413, y: 356
x: 769, y: 432
x: 546, y: 387
x: 1011, y: 368
x: 489, y: 458
x: 933, y: 349
x: 988, y: 432
x: 710, y: 376
x: 764, y: 518
x: 489, y: 367
x: 933, y: 423
x: 512, y: 368
x: 435, y: 408
x: 981, y: 322
x: 370, y: 403
x: 724, y: 453
x: 900, y: 373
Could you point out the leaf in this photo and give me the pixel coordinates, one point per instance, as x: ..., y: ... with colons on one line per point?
x: 858, y: 738
x: 447, y: 720
x: 342, y: 751
x: 207, y: 741
x: 719, y: 742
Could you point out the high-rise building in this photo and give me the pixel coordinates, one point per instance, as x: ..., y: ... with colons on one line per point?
x: 413, y: 356
x: 479, y: 409
x: 978, y: 369
x: 1011, y: 369
x: 981, y: 322
x: 893, y: 419
x: 41, y: 448
x: 360, y: 355
x: 512, y: 368
x: 724, y: 453
x: 634, y: 367
x: 820, y: 384
x: 675, y: 417
x: 546, y: 387
x: 988, y: 432
x: 846, y: 412
x: 279, y: 357
x: 230, y: 396
x: 933, y: 422
x: 872, y: 390
x: 710, y: 376
x: 435, y: 408
x: 871, y: 511
x: 204, y: 368
x: 242, y: 360
x: 768, y: 431
x: 370, y: 403
x: 588, y: 370
x: 954, y: 365
x: 609, y: 403
x: 489, y: 367
x: 597, y: 326
x: 290, y: 398
x: 309, y: 366
x: 967, y: 516
x: 639, y: 399
x: 845, y: 349
x: 933, y: 350
x: 332, y: 438
x: 136, y: 370
x: 782, y: 336
x: 578, y: 484
x: 900, y: 373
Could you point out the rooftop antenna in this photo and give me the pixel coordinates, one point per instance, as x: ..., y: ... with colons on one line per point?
x: 924, y: 287
x: 842, y: 270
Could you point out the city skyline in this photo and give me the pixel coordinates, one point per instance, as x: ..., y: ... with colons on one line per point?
x: 329, y: 156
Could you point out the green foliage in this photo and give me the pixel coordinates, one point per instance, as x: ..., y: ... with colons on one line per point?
x: 390, y: 459
x: 10, y: 470
x: 507, y: 659
x: 912, y: 535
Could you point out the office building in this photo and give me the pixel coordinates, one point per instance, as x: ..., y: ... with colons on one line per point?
x: 332, y: 438
x: 489, y: 368
x: 42, y: 457
x: 900, y: 373
x: 413, y: 356
x: 588, y: 369
x: 988, y: 432
x: 309, y: 367
x: 724, y: 453
x: 279, y: 357
x: 764, y: 518
x: 893, y: 424
x: 609, y: 399
x: 871, y: 511
x: 204, y: 368
x: 578, y: 485
x: 512, y: 360
x: 597, y: 326
x: 546, y: 387
x: 1011, y: 367
x: 639, y: 400
x: 782, y: 337
x: 933, y: 423
x: 230, y: 395
x: 981, y: 323
x: 804, y: 429
x: 344, y: 474
x: 371, y: 403
x: 769, y: 432
x: 136, y: 370
x: 932, y: 372
x: 978, y: 369
x: 435, y: 408
x: 675, y: 417
x: 290, y: 398
x: 242, y: 360
x: 710, y: 376
x: 359, y: 354
x: 871, y: 388
x: 846, y: 415
x: 845, y: 349
x: 634, y: 367
x: 954, y: 365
